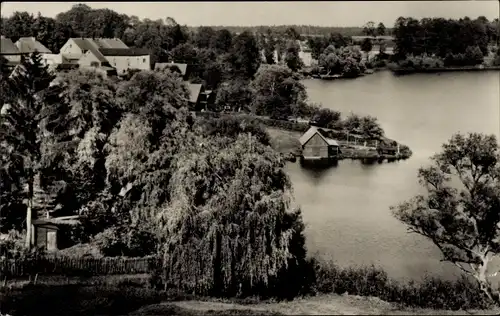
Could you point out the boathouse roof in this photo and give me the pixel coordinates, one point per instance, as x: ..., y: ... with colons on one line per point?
x: 313, y: 130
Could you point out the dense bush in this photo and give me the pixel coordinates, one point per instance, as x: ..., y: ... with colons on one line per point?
x: 232, y: 126
x: 371, y: 281
x: 282, y: 124
x: 326, y: 118
x: 133, y: 242
x: 345, y: 61
x: 12, y: 245
x: 496, y: 60
x: 472, y: 56
x: 379, y: 63
x: 421, y: 62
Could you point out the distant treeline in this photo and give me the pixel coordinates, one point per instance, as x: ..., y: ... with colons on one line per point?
x: 457, y: 41
x: 301, y: 29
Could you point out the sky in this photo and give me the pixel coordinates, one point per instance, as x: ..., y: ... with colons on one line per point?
x: 322, y: 13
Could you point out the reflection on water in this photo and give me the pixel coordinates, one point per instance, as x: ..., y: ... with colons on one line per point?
x: 346, y: 208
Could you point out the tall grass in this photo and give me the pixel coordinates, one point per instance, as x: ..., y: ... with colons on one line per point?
x: 371, y: 281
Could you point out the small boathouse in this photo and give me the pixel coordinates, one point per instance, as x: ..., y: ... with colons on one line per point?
x: 315, y: 146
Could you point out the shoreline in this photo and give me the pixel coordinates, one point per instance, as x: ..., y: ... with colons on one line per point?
x: 405, y: 71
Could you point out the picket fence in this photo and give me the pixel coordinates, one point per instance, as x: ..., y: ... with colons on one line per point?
x: 60, y: 265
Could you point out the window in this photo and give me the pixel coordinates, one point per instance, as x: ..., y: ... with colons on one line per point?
x: 94, y: 64
x: 144, y: 60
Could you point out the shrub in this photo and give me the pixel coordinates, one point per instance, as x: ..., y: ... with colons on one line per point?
x: 496, y: 60
x: 371, y: 281
x: 232, y: 126
x: 76, y: 300
x: 132, y: 242
x: 473, y: 55
x: 325, y: 117
x: 421, y: 62
x: 281, y: 124
x: 12, y: 247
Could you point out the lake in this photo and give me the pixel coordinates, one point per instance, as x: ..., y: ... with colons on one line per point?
x: 346, y: 208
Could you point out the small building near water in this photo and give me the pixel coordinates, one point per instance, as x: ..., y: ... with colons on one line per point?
x: 316, y: 146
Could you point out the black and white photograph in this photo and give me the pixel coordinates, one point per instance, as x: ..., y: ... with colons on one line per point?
x: 250, y: 158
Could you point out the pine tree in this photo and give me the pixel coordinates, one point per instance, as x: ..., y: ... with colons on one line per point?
x: 21, y: 125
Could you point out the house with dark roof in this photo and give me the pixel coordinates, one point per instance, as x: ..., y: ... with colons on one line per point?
x: 9, y: 51
x: 105, y: 53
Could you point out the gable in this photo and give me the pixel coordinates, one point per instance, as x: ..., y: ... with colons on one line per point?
x: 89, y: 57
x: 194, y: 91
x: 316, y: 140
x: 30, y: 44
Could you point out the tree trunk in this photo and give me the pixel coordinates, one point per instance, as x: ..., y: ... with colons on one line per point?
x: 484, y: 285
x: 29, y: 214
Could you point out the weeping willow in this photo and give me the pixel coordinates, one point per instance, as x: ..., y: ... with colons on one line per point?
x: 228, y: 227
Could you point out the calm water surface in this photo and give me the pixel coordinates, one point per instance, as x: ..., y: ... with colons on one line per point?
x: 346, y: 208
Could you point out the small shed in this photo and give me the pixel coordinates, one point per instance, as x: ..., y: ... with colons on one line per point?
x: 48, y: 233
x: 315, y: 146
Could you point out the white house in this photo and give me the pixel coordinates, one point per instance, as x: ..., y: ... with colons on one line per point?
x: 105, y: 52
x: 124, y: 59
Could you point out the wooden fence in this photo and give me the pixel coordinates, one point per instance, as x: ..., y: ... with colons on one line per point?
x: 60, y: 265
